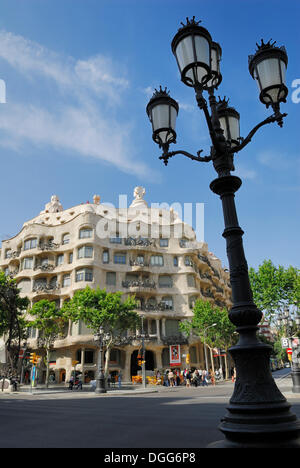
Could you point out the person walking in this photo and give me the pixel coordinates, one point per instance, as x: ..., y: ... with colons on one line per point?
x: 188, y: 379
x: 120, y: 379
x: 204, y: 378
x: 171, y: 378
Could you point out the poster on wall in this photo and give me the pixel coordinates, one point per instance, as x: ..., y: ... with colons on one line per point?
x: 175, y: 356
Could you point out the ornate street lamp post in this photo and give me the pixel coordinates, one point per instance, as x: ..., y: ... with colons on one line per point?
x: 100, y: 381
x: 258, y: 414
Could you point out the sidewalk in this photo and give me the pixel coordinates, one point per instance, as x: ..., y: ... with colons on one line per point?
x: 127, y: 388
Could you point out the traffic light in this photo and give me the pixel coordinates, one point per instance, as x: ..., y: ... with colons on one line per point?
x: 34, y: 358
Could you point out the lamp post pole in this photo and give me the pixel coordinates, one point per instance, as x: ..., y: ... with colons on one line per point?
x: 258, y: 415
x: 144, y: 383
x: 100, y: 381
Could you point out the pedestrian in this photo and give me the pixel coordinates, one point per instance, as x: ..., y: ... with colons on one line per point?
x: 166, y: 382
x: 188, y: 379
x: 108, y: 380
x: 171, y: 378
x: 204, y: 378
x: 120, y: 379
x: 71, y: 383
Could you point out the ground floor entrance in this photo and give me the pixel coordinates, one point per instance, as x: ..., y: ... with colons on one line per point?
x: 150, y: 364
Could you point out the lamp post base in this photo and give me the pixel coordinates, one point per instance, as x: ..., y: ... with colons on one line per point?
x: 296, y: 380
x: 258, y: 415
x: 100, y: 387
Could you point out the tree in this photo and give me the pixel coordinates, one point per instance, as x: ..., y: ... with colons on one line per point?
x: 274, y: 287
x: 50, y: 321
x: 12, y: 323
x: 96, y: 308
x: 205, y: 315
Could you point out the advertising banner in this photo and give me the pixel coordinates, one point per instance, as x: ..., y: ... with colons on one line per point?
x: 175, y: 355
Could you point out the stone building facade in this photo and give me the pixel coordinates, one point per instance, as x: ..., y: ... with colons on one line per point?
x: 147, y: 252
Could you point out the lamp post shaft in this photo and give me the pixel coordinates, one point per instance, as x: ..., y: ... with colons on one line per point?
x: 258, y: 414
x: 100, y: 385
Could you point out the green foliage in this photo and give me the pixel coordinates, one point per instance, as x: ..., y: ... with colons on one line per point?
x: 273, y: 287
x: 12, y: 323
x: 49, y: 320
x: 205, y: 315
x: 96, y: 308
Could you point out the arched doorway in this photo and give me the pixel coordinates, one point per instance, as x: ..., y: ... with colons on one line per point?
x: 62, y: 375
x: 149, y: 358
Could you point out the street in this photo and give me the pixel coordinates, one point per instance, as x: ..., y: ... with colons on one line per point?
x: 171, y: 418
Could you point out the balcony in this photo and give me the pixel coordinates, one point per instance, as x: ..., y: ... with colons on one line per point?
x: 140, y: 242
x: 48, y: 246
x: 174, y: 340
x: 45, y: 267
x: 42, y: 287
x: 149, y: 284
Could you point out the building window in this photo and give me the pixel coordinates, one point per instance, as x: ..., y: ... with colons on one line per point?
x: 59, y: 260
x: 86, y: 274
x: 188, y: 261
x: 120, y: 258
x: 183, y: 243
x: 31, y: 332
x: 191, y: 281
x: 192, y: 302
x: 165, y: 281
x: 66, y: 281
x: 111, y: 278
x: 85, y: 233
x: 28, y: 263
x: 164, y: 242
x: 7, y: 253
x: 116, y: 240
x: 71, y: 257
x: 85, y: 251
x: 89, y: 355
x: 30, y: 244
x: 157, y: 260
x: 66, y: 239
x: 175, y: 261
x: 167, y: 302
x: 105, y: 256
x: 172, y: 327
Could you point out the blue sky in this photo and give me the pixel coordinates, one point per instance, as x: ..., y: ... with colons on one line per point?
x: 79, y: 74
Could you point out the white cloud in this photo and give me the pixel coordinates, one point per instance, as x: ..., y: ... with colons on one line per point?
x: 245, y: 173
x: 77, y: 122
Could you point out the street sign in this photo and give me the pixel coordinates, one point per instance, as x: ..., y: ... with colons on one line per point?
x: 289, y: 350
x: 285, y: 342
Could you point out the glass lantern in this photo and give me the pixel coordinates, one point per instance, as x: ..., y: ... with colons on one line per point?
x: 162, y: 111
x: 230, y: 122
x: 216, y: 56
x: 192, y: 49
x: 268, y: 67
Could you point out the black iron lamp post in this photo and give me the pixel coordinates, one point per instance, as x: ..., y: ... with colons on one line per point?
x: 100, y: 381
x: 258, y: 414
